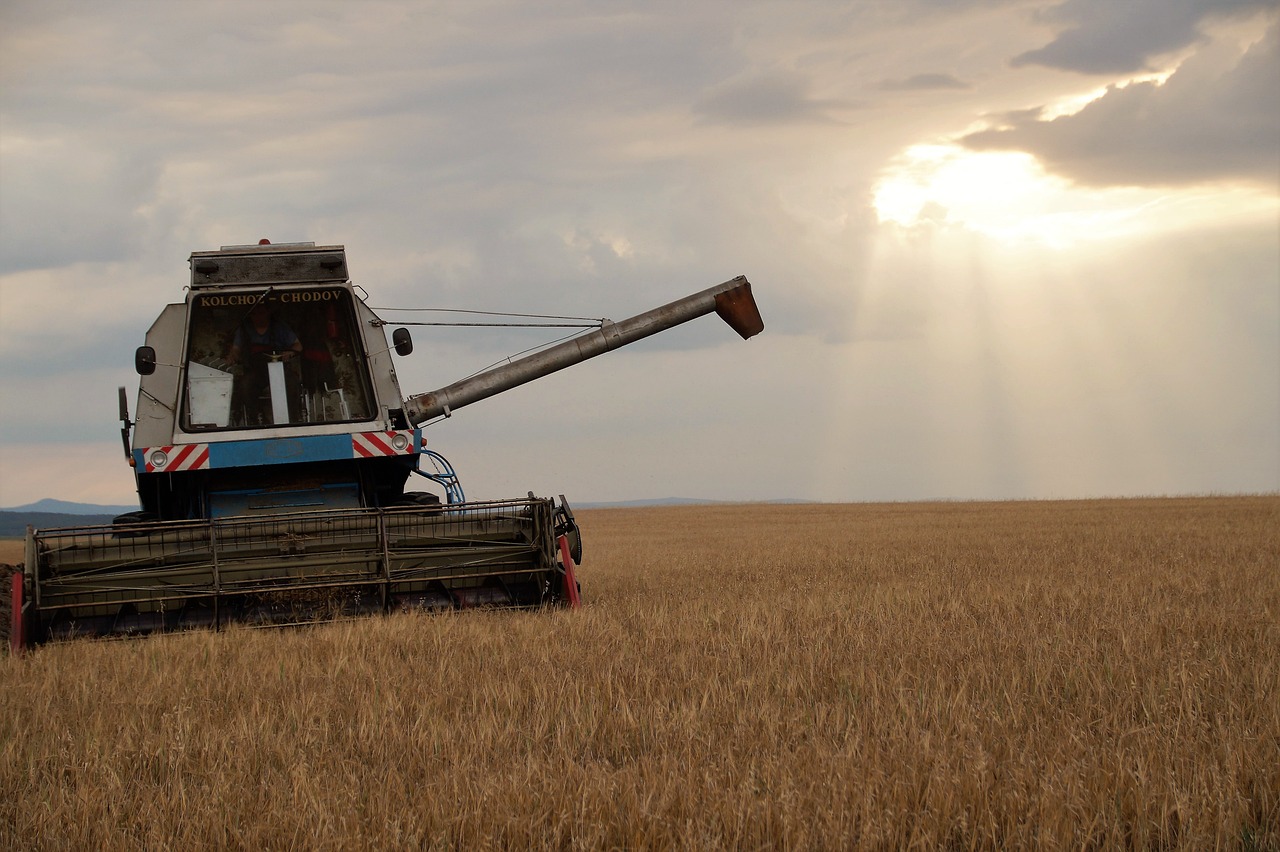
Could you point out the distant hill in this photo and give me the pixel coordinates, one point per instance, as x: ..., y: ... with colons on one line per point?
x: 15, y: 523
x: 64, y: 507
x: 657, y: 501
x: 48, y: 514
x: 675, y: 501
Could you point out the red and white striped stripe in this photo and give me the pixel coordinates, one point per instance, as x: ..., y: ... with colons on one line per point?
x: 366, y: 445
x: 177, y: 457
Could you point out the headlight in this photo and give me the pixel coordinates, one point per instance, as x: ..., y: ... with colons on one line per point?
x: 159, y: 458
x: 400, y: 442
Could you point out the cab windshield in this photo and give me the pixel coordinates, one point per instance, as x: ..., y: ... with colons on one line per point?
x: 274, y: 358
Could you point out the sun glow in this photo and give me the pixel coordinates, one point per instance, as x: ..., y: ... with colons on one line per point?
x: 1005, y: 194
x: 1008, y: 196
x: 933, y: 182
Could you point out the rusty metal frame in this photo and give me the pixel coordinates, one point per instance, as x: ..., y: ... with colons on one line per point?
x: 153, y: 573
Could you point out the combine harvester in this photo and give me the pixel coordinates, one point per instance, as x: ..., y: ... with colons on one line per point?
x: 272, y: 449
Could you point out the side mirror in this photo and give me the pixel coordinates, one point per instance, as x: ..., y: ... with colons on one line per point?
x: 402, y: 341
x: 144, y: 360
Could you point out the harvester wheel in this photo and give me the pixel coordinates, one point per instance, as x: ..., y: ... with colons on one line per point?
x: 566, y: 526
x: 122, y: 523
x: 422, y: 499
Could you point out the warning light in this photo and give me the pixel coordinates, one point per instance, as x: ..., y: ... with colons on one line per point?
x: 264, y: 242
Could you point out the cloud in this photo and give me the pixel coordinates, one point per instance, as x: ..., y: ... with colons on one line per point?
x: 1108, y: 37
x: 770, y: 97
x: 924, y: 82
x: 586, y: 158
x: 55, y: 193
x: 1214, y: 119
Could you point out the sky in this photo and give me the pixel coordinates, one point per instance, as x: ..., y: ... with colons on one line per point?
x: 1004, y: 249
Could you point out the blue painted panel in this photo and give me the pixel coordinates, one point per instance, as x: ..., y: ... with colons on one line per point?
x: 226, y: 504
x: 279, y: 451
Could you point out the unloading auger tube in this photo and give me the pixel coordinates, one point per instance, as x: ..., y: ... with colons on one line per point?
x: 732, y: 301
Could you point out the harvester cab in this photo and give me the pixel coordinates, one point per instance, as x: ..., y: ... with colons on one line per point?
x: 273, y: 450
x: 270, y: 389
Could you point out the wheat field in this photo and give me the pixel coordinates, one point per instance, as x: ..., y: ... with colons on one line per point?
x: 1085, y: 674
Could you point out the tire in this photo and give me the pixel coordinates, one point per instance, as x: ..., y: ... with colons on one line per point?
x: 122, y: 523
x: 422, y: 500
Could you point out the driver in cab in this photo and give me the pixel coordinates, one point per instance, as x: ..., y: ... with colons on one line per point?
x: 262, y: 334
x: 260, y: 339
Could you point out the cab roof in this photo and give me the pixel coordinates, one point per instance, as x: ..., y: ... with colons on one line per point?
x: 278, y: 263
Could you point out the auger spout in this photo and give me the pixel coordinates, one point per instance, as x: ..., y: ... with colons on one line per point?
x: 732, y: 301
